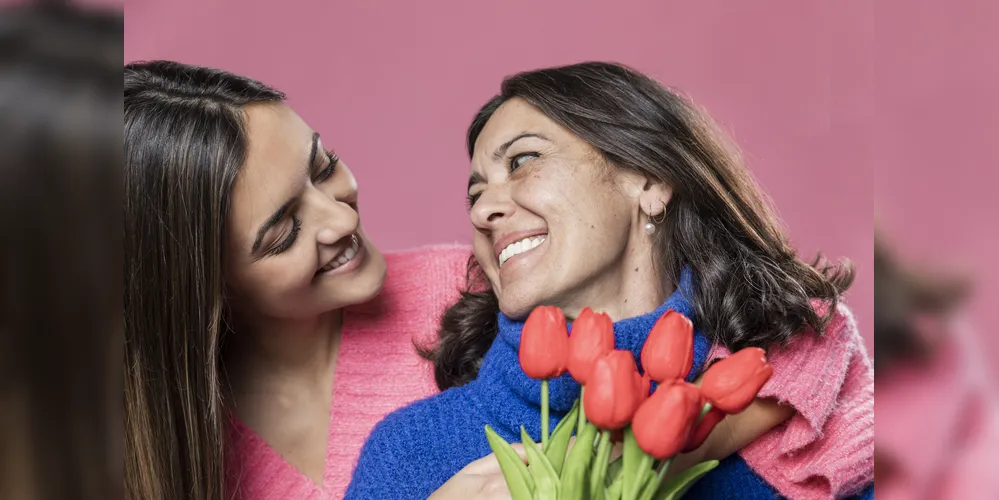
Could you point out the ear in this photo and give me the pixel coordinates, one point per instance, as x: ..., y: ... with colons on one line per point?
x: 654, y: 198
x: 652, y: 195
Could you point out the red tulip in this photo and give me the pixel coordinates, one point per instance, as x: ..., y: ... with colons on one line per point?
x: 664, y: 422
x: 704, y: 428
x: 591, y: 338
x: 544, y: 343
x: 732, y: 383
x: 644, y: 386
x: 668, y: 353
x: 612, y: 392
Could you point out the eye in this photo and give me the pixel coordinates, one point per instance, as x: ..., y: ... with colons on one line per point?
x: 286, y: 243
x: 520, y: 159
x: 328, y: 171
x: 470, y: 202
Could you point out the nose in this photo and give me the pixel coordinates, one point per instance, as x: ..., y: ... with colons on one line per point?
x: 345, y: 187
x: 493, y: 206
x: 335, y: 218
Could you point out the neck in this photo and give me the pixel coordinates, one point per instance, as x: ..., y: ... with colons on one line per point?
x: 299, y: 348
x: 624, y: 291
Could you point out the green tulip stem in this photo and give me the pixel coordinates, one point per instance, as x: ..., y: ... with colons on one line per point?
x: 663, y: 468
x: 704, y: 411
x: 544, y: 414
x: 582, y: 414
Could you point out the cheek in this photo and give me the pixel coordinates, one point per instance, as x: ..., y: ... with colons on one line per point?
x: 482, y: 249
x: 267, y: 285
x: 548, y: 192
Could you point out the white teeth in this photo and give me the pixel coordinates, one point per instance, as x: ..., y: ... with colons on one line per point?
x: 345, y: 257
x: 519, y: 247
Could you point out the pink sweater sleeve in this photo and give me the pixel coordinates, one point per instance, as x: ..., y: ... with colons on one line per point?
x: 826, y: 449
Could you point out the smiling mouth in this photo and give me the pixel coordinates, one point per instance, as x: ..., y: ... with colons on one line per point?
x: 521, y: 246
x: 345, y: 256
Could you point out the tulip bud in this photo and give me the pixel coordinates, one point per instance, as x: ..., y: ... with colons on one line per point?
x: 668, y: 353
x: 612, y: 392
x: 544, y: 343
x: 732, y: 384
x: 592, y: 337
x: 664, y: 422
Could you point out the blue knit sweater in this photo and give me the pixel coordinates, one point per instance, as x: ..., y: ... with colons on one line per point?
x: 414, y: 450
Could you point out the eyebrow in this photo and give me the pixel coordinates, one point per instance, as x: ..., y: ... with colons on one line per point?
x: 279, y: 213
x: 498, y: 154
x: 500, y: 151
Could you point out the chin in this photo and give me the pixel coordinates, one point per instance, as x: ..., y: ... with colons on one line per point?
x: 363, y: 286
x: 516, y: 307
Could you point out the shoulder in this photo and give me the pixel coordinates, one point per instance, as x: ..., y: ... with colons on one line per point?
x: 441, y: 260
x: 437, y: 270
x: 842, y: 324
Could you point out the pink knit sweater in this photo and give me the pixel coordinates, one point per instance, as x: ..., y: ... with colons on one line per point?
x: 377, y: 371
x: 825, y: 450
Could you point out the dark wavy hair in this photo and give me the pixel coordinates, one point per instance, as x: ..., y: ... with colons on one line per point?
x: 750, y: 287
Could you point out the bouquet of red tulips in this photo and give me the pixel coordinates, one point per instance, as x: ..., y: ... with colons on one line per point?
x: 616, y: 405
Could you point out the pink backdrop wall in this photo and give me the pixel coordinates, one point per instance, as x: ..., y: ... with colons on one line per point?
x: 937, y: 144
x: 392, y: 86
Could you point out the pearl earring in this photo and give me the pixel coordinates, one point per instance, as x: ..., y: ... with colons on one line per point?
x: 649, y: 226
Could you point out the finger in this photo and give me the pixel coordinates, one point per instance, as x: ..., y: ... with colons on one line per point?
x: 495, y: 489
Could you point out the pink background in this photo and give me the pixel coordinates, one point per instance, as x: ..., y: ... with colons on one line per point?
x: 936, y: 119
x: 392, y: 87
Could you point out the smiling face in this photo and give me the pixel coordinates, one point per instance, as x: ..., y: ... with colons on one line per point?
x: 555, y: 223
x: 295, y: 244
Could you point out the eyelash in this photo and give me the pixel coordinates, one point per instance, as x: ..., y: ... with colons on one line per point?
x: 472, y: 198
x: 327, y: 172
x: 296, y: 226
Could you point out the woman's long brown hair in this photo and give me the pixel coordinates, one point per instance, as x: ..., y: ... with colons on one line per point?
x: 185, y: 141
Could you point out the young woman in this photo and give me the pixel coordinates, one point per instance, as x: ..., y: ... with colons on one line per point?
x: 244, y: 250
x: 592, y: 185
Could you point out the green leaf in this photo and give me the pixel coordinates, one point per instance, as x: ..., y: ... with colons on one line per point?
x: 559, y: 442
x: 675, y: 488
x: 599, y: 471
x: 615, y: 489
x: 518, y: 479
x: 546, y: 481
x: 577, y: 467
x: 614, y: 470
x: 636, y: 464
x: 651, y: 485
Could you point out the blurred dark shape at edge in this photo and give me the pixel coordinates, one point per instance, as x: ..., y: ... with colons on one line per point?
x: 60, y: 258
x: 902, y: 294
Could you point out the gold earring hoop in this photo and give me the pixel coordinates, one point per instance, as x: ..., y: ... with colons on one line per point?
x: 658, y: 220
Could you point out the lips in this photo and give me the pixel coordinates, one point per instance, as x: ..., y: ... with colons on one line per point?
x: 344, y: 256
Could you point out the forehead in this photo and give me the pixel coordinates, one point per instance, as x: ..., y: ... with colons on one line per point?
x: 277, y: 138
x: 510, y: 119
x: 278, y: 148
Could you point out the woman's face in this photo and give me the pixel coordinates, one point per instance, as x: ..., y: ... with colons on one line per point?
x: 296, y: 248
x: 555, y: 223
